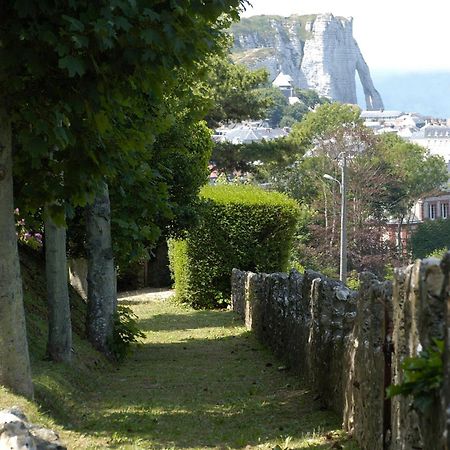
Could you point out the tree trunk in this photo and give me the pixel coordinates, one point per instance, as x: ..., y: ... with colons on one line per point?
x: 102, y: 295
x: 59, y: 345
x: 15, y: 371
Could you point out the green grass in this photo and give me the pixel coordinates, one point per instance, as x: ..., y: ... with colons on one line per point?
x: 199, y: 380
x: 253, y: 55
x: 261, y: 26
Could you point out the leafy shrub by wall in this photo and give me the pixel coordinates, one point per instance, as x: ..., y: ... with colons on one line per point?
x: 240, y: 226
x: 429, y: 236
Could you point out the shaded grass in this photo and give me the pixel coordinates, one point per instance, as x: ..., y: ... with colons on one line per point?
x: 199, y: 380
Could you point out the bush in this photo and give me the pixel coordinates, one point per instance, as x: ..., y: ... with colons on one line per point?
x: 126, y: 332
x: 430, y: 236
x: 240, y: 226
x: 439, y: 253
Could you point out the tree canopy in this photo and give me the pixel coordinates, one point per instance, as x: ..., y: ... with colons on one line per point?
x: 429, y: 237
x: 234, y: 93
x: 386, y: 175
x: 81, y: 88
x: 413, y: 171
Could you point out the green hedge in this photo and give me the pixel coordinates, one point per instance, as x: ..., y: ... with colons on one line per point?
x: 430, y: 236
x: 240, y: 226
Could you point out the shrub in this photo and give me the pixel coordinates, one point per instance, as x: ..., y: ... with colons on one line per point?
x: 178, y: 257
x: 240, y: 226
x: 126, y: 332
x: 430, y: 236
x: 438, y: 253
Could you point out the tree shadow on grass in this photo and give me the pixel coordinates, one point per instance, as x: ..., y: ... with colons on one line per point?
x: 189, y: 320
x: 199, y: 382
x: 198, y: 393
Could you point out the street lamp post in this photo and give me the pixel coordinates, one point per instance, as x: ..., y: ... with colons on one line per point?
x: 343, y: 189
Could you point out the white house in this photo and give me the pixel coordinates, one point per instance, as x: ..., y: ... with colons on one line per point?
x: 435, y: 138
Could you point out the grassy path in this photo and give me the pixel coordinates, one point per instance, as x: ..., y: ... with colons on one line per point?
x: 201, y: 381
x: 198, y: 381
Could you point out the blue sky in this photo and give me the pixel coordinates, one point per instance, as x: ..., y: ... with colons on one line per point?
x: 394, y: 35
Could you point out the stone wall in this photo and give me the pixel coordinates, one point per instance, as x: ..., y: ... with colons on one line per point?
x: 349, y: 345
x: 419, y: 308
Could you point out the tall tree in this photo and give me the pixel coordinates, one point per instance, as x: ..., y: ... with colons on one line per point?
x: 323, y: 138
x: 102, y: 296
x: 234, y: 91
x: 413, y: 171
x: 85, y: 60
x: 59, y: 345
x: 15, y: 369
x: 386, y: 175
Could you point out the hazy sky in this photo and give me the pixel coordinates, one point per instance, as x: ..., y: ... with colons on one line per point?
x: 393, y: 35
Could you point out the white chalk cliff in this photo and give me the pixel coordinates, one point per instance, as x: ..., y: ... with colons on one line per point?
x: 318, y: 51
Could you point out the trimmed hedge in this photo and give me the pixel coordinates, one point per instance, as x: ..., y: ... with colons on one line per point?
x: 240, y: 226
x: 429, y: 236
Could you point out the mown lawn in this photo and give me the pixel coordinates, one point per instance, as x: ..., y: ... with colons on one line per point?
x: 199, y: 380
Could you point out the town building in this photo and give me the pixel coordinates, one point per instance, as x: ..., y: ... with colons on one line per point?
x: 248, y: 132
x: 286, y: 85
x: 434, y: 205
x: 436, y: 138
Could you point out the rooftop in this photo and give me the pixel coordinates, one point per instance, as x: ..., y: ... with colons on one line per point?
x: 379, y: 115
x: 282, y: 80
x: 432, y: 132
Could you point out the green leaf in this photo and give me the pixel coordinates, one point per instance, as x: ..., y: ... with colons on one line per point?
x: 102, y: 122
x: 150, y: 14
x: 122, y: 23
x: 150, y: 36
x: 80, y: 41
x: 73, y: 64
x: 74, y: 24
x: 423, y: 376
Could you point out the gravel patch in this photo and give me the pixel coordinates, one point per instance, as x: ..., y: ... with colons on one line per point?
x: 145, y: 295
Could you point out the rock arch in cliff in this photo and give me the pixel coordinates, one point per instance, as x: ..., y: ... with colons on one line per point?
x: 318, y: 51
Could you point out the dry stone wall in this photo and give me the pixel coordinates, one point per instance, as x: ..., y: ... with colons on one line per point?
x: 350, y: 345
x: 365, y: 354
x: 419, y: 307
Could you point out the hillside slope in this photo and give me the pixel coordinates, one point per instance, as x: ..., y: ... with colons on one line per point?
x: 58, y: 387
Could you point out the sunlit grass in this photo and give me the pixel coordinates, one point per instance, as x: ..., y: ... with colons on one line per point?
x: 199, y: 380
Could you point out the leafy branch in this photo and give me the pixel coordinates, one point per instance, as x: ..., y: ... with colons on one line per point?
x: 423, y: 376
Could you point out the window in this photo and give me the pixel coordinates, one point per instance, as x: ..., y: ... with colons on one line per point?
x: 432, y: 211
x: 444, y: 210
